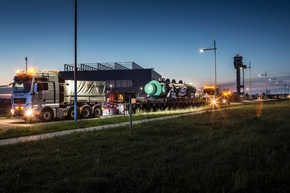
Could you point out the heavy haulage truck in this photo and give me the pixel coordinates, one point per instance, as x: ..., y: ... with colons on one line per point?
x: 46, y: 95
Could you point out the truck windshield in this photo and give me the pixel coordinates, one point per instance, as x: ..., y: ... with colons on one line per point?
x: 21, y: 86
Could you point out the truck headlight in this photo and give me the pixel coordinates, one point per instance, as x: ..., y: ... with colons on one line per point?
x: 29, y: 113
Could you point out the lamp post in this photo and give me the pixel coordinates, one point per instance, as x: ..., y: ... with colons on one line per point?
x: 266, y: 80
x: 141, y: 89
x: 75, y: 61
x: 271, y: 79
x: 26, y: 59
x: 214, y: 49
x: 250, y: 68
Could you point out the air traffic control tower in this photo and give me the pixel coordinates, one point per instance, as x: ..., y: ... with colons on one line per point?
x: 238, y: 64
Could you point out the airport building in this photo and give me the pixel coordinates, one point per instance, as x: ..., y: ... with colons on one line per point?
x: 119, y: 76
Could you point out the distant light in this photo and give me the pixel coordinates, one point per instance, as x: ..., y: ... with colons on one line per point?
x: 201, y: 50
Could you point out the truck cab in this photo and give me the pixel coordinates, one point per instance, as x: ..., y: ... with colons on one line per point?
x: 46, y: 95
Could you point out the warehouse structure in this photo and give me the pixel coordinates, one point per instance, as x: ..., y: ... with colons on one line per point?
x: 119, y: 76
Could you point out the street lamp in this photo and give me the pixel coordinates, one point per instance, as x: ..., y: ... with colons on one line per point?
x: 111, y: 87
x: 214, y: 49
x: 283, y: 84
x: 280, y: 82
x: 270, y: 79
x: 266, y: 80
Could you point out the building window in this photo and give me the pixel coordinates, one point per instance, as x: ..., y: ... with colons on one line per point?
x: 119, y: 83
x: 129, y: 83
x: 110, y: 83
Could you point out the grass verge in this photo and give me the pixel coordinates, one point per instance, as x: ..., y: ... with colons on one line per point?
x: 238, y: 150
x: 32, y: 129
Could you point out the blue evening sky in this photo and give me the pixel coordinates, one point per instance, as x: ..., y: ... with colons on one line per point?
x: 162, y: 34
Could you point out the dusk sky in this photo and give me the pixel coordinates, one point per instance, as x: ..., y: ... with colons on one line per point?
x: 162, y: 34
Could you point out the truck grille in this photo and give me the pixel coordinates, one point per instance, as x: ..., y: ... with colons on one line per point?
x: 19, y: 100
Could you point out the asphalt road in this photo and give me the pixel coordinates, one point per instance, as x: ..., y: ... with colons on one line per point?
x: 7, y: 123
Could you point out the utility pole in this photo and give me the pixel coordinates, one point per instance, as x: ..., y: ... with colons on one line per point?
x: 130, y: 112
x: 26, y: 59
x: 75, y: 65
x: 214, y: 48
x: 215, y: 78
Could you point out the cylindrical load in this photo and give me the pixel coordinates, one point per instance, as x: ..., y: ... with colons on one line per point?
x: 191, y: 89
x: 183, y: 90
x: 155, y: 88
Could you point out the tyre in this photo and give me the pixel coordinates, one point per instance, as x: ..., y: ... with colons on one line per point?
x: 46, y: 115
x: 97, y: 112
x: 71, y: 113
x: 86, y: 112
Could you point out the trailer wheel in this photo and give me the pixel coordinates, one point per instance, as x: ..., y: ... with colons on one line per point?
x: 97, y: 112
x: 162, y: 107
x: 137, y: 110
x: 46, y: 115
x: 86, y: 112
